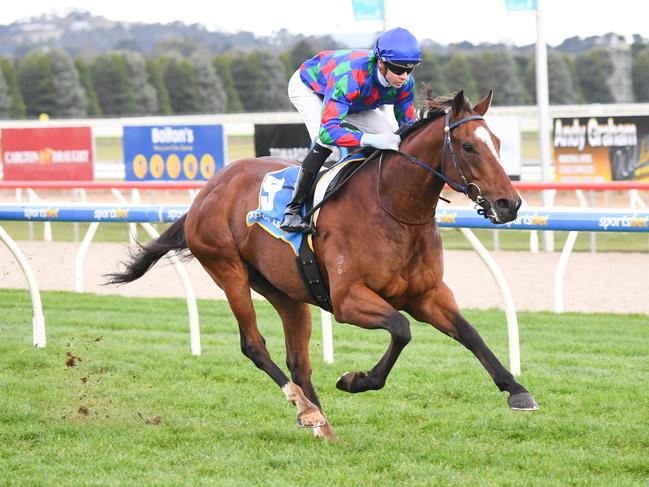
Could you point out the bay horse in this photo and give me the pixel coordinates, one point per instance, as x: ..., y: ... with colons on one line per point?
x: 377, y: 245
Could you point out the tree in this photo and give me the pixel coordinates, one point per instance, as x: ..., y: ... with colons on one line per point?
x: 429, y: 73
x: 506, y: 79
x: 36, y: 84
x: 155, y: 78
x: 640, y: 75
x: 482, y: 68
x: 593, y: 69
x: 110, y: 79
x: 560, y: 83
x: 212, y: 97
x: 144, y: 94
x: 94, y: 110
x: 71, y: 100
x: 299, y: 53
x: 223, y: 70
x: 458, y: 76
x: 273, y: 95
x: 180, y: 81
x: 17, y: 109
x: 5, y: 98
x: 249, y: 80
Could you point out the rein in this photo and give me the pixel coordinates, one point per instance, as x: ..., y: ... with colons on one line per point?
x: 447, y: 148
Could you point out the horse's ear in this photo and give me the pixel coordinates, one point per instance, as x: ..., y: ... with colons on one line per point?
x: 458, y: 102
x: 483, y: 105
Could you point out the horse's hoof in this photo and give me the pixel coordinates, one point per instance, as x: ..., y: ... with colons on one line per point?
x: 311, y: 418
x: 325, y: 432
x: 523, y: 401
x: 348, y: 382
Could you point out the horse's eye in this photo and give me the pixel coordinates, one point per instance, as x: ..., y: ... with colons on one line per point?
x: 468, y: 148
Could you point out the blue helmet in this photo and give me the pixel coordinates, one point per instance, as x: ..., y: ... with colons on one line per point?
x: 398, y: 46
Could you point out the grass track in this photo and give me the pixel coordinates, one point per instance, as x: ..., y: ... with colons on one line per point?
x: 438, y: 421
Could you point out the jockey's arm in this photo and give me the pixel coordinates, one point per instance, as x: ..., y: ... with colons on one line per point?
x: 336, y: 104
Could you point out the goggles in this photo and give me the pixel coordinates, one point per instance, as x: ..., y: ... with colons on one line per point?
x: 399, y: 69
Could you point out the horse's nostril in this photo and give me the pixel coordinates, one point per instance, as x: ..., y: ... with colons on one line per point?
x: 505, y: 204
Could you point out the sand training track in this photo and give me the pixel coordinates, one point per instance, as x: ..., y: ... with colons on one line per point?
x: 616, y: 282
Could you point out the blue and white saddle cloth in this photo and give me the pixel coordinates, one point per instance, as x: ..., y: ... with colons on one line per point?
x: 275, y: 193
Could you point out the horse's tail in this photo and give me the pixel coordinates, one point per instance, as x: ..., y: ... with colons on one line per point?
x: 142, y: 259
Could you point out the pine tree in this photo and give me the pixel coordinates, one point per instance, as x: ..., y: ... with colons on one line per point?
x: 212, y: 97
x: 506, y: 79
x: 94, y: 110
x: 154, y: 70
x: 458, y: 76
x: 144, y: 94
x: 5, y: 98
x: 640, y: 75
x: 17, y: 109
x: 222, y: 68
x: 560, y: 85
x: 429, y: 73
x: 180, y: 81
x: 36, y: 84
x: 110, y: 79
x: 593, y: 69
x: 71, y: 100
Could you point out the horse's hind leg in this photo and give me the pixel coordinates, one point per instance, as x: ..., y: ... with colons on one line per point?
x: 231, y: 275
x: 440, y: 310
x: 296, y: 320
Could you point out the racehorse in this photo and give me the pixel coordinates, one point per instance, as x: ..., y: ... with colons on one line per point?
x: 377, y: 245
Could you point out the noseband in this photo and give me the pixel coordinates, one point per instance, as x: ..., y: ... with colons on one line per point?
x: 483, y: 207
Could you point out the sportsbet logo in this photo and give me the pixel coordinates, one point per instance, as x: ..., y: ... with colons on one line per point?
x: 41, y: 213
x: 112, y: 213
x: 624, y: 221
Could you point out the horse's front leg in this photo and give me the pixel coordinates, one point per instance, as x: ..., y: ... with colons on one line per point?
x: 362, y: 307
x: 438, y: 307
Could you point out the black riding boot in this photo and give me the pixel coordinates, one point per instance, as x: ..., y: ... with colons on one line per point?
x: 293, y: 221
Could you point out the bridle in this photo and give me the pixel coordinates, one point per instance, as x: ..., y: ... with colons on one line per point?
x: 483, y: 207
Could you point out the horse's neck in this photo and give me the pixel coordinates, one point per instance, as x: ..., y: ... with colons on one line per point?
x: 411, y: 191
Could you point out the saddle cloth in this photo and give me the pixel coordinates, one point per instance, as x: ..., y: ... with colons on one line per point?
x: 275, y: 193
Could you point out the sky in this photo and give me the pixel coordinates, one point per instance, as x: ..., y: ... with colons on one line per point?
x: 444, y: 21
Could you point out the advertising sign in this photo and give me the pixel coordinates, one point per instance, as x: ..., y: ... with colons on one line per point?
x: 47, y: 154
x: 286, y: 140
x: 173, y: 152
x: 601, y: 149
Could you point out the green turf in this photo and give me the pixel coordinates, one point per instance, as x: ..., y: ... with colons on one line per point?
x: 158, y: 416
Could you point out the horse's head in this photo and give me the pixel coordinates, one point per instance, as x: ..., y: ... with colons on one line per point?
x: 471, y: 158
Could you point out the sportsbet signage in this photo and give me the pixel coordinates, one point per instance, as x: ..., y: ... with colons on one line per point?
x: 173, y: 152
x: 601, y: 148
x: 47, y: 154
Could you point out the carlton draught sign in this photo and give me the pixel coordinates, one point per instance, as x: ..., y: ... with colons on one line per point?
x: 47, y: 153
x: 173, y: 152
x: 601, y: 148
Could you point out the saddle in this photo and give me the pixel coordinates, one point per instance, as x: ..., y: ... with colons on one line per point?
x: 275, y: 193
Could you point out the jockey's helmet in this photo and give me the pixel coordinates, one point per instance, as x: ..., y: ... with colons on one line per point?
x: 398, y: 46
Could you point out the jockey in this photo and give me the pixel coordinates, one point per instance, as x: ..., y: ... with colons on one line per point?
x: 349, y: 86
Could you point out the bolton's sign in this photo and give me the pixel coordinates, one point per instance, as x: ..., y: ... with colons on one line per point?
x: 47, y: 154
x: 173, y: 152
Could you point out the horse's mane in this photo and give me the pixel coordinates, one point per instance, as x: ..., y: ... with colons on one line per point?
x: 432, y: 109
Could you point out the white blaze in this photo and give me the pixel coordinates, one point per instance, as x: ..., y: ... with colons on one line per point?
x: 483, y: 134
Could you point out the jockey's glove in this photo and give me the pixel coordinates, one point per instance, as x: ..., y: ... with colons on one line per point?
x: 381, y: 141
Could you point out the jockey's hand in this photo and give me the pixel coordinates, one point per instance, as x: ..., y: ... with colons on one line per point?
x: 382, y: 141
